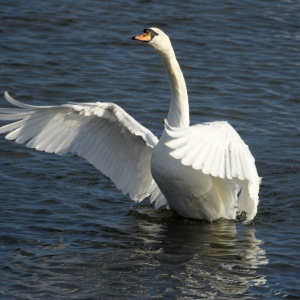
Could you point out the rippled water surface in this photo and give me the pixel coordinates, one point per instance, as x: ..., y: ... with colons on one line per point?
x: 67, y: 233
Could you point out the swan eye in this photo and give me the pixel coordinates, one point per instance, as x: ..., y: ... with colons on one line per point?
x: 153, y: 33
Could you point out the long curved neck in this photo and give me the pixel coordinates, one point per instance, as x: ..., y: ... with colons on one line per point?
x: 178, y: 115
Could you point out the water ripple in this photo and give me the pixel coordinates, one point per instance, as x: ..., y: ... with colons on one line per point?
x: 67, y: 233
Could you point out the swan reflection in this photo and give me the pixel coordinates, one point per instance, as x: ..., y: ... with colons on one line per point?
x: 206, y: 259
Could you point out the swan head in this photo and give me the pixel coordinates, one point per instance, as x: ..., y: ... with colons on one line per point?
x: 155, y: 38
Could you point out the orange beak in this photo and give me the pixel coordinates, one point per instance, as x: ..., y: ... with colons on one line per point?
x: 145, y: 37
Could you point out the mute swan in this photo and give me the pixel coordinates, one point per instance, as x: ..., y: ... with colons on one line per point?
x: 204, y: 171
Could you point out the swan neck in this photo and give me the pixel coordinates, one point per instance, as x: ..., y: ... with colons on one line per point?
x: 178, y: 115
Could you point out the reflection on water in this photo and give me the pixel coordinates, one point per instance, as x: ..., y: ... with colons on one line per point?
x: 143, y: 254
x: 213, y: 259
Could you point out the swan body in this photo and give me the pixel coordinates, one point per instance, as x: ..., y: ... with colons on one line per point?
x: 204, y: 171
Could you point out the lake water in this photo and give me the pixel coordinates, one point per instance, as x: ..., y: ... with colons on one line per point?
x: 67, y: 233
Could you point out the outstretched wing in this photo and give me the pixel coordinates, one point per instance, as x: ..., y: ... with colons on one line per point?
x: 102, y: 133
x: 217, y: 149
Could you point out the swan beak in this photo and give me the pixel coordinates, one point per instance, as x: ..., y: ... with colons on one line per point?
x: 145, y: 37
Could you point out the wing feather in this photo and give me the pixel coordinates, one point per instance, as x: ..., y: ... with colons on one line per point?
x: 227, y: 163
x: 11, y: 127
x: 216, y: 148
x: 102, y: 133
x: 33, y: 126
x: 233, y: 163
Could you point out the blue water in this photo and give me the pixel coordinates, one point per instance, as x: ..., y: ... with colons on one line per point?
x: 67, y: 233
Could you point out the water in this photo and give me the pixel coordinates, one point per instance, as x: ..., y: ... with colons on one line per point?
x: 67, y: 233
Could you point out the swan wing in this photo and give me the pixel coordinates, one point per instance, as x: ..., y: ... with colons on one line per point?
x: 102, y: 133
x: 216, y: 148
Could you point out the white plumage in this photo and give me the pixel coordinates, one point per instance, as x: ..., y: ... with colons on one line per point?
x: 199, y: 170
x: 216, y: 149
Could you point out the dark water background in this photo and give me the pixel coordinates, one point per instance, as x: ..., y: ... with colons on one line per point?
x: 67, y: 233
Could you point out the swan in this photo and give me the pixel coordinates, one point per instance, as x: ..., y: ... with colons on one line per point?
x: 204, y: 171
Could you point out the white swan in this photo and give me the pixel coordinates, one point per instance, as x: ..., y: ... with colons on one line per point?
x: 204, y: 171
